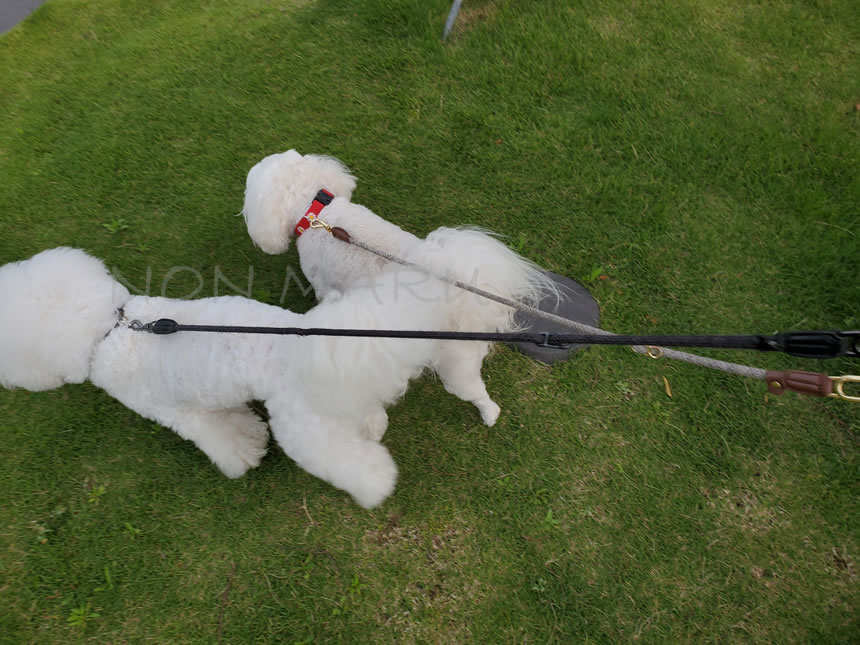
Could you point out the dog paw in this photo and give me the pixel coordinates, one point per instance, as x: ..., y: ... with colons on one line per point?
x: 251, y: 439
x: 489, y: 412
x: 374, y: 426
x: 247, y: 444
x: 232, y: 466
x: 376, y: 478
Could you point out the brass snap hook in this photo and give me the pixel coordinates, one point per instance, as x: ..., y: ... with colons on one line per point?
x: 839, y: 387
x: 318, y: 223
x: 654, y: 352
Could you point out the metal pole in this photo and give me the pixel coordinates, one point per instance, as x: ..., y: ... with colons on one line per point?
x: 452, y: 16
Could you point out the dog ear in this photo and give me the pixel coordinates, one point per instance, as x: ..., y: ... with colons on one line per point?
x: 330, y: 174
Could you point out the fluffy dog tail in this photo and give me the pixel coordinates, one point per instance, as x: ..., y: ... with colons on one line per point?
x: 55, y: 307
x: 477, y: 258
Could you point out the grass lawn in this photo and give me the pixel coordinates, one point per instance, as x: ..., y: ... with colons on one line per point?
x: 694, y: 162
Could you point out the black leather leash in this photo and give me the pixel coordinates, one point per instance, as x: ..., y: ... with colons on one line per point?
x: 803, y: 344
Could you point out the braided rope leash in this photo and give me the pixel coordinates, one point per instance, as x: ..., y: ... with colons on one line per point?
x: 809, y: 383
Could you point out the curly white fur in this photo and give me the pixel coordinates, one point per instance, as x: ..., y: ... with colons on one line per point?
x: 281, y: 187
x: 42, y: 345
x: 326, y: 397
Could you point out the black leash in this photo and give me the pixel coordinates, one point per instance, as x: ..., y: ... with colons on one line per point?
x: 805, y: 344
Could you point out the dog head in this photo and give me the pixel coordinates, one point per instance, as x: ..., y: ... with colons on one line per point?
x: 280, y: 189
x: 55, y: 308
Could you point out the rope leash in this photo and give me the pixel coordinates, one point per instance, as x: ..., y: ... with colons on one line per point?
x: 805, y: 344
x: 817, y: 344
x: 778, y: 382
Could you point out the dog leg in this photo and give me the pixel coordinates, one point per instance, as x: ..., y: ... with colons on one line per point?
x: 361, y: 467
x: 374, y: 426
x: 459, y: 368
x: 234, y: 439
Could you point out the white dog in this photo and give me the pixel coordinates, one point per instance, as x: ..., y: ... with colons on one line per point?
x: 61, y: 321
x: 281, y: 201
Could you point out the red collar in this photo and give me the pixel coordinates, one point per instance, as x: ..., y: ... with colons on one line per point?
x: 322, y: 199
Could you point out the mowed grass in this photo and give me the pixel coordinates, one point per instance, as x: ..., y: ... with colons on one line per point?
x: 694, y: 162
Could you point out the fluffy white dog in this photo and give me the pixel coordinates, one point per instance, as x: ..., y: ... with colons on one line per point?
x: 62, y: 322
x: 286, y: 191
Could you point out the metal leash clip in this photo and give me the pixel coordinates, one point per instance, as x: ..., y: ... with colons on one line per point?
x: 318, y: 223
x: 839, y: 387
x: 811, y: 384
x: 654, y: 352
x: 161, y: 327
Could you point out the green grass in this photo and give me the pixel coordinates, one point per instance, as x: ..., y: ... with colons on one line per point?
x: 702, y: 155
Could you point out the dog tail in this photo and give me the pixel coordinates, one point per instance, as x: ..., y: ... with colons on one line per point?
x: 478, y: 258
x: 55, y: 307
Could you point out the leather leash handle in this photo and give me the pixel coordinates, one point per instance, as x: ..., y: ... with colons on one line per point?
x: 808, y: 383
x: 340, y: 234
